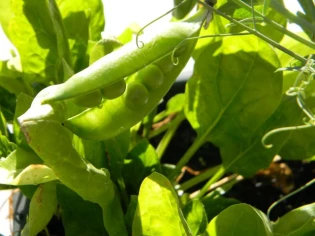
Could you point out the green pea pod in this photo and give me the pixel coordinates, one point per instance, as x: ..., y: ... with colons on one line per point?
x: 52, y: 142
x: 100, y: 49
x: 181, y: 11
x: 117, y: 115
x: 128, y: 59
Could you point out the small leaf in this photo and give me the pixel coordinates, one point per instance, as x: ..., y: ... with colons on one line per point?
x: 117, y: 149
x: 299, y: 221
x: 158, y: 211
x: 141, y: 161
x: 214, y: 206
x: 241, y: 219
x: 79, y: 217
x: 131, y: 210
x: 42, y: 208
x: 23, y: 167
x: 6, y: 147
x: 195, y: 215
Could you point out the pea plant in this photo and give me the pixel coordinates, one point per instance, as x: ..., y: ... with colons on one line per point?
x: 79, y: 114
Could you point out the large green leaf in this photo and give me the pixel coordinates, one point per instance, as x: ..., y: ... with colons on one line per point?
x: 42, y: 208
x: 299, y: 221
x: 79, y: 217
x: 233, y: 91
x: 141, y: 161
x: 240, y: 220
x: 37, y: 31
x: 158, y: 211
x: 91, y: 17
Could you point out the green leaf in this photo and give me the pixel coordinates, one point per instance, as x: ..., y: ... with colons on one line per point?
x: 3, y: 125
x: 8, y: 102
x: 91, y: 17
x: 299, y: 221
x: 158, y: 211
x: 195, y: 215
x: 126, y: 35
x: 117, y: 149
x: 79, y: 217
x: 240, y: 13
x: 22, y: 105
x: 93, y: 151
x: 36, y: 30
x: 24, y: 167
x: 5, y: 14
x: 232, y: 93
x: 6, y: 147
x: 241, y: 219
x: 141, y: 161
x: 42, y: 208
x: 131, y: 210
x: 175, y: 104
x: 214, y: 206
x: 12, y: 80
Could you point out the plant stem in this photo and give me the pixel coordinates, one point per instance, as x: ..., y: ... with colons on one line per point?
x: 147, y: 123
x: 169, y: 134
x: 187, y: 156
x: 214, y: 179
x: 290, y: 16
x: 276, y: 25
x: 260, y: 35
x: 199, y: 178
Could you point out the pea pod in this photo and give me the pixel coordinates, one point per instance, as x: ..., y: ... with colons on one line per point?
x: 100, y: 49
x: 127, y: 60
x: 117, y: 115
x: 52, y: 142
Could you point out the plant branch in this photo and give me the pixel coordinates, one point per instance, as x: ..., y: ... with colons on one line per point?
x: 276, y: 25
x: 260, y: 35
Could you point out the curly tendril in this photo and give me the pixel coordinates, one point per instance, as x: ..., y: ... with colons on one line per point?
x: 303, y: 79
x: 155, y: 20
x: 175, y: 60
x: 275, y: 131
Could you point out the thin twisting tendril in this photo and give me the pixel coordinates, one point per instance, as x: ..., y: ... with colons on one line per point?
x: 253, y: 14
x: 155, y: 20
x: 289, y: 195
x: 274, y: 131
x: 302, y: 81
x: 175, y: 60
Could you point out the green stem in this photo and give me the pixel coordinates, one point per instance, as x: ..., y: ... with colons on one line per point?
x: 221, y: 171
x: 147, y: 123
x: 199, y: 178
x: 179, y: 118
x: 260, y: 35
x: 187, y: 156
x: 276, y: 25
x: 123, y: 193
x: 293, y: 18
x: 169, y: 134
